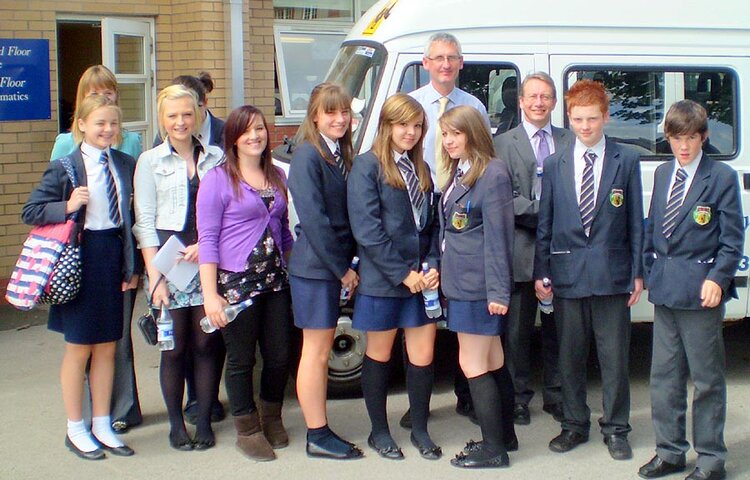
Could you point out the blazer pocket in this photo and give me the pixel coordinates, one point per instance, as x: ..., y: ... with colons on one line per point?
x: 620, y: 268
x: 561, y: 269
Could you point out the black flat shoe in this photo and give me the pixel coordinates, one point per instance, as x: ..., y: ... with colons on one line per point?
x: 478, y: 458
x: 200, y: 443
x: 567, y: 441
x: 97, y: 454
x: 342, y: 451
x: 618, y: 446
x: 391, y: 452
x: 471, y: 445
x: 657, y: 468
x: 184, y: 444
x: 427, y: 452
x: 700, y: 474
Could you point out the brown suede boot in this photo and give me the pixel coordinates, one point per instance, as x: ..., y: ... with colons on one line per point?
x: 250, y: 438
x: 273, y: 427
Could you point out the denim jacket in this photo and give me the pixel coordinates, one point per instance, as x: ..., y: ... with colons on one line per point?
x: 161, y: 190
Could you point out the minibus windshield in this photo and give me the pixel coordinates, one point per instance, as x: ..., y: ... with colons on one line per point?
x: 358, y: 67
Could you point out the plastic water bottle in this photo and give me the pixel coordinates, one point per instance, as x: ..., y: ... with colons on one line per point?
x: 165, y: 326
x: 231, y: 312
x: 346, y: 294
x: 545, y: 306
x: 431, y: 298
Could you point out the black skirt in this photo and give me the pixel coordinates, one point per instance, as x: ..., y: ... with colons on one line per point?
x: 95, y: 315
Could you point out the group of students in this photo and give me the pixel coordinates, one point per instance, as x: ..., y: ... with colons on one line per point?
x: 230, y: 210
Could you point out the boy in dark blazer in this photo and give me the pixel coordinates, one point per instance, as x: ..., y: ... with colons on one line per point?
x: 694, y: 239
x: 589, y: 244
x: 524, y: 148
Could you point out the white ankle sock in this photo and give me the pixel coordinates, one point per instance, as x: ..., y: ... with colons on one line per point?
x: 101, y: 427
x: 80, y: 436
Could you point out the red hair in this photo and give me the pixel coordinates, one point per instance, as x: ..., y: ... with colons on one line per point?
x: 585, y: 93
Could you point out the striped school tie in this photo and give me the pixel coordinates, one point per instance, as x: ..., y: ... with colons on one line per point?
x: 586, y: 202
x: 114, y: 210
x: 674, y: 203
x: 412, y: 183
x: 340, y: 162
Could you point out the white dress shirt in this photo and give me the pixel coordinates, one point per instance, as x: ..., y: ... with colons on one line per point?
x: 690, y: 169
x: 97, y: 210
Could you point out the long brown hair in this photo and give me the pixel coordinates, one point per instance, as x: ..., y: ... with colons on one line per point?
x: 237, y: 123
x: 327, y: 97
x: 479, y: 147
x: 400, y: 108
x: 86, y: 108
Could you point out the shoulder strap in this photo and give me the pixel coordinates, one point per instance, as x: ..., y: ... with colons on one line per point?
x: 70, y: 170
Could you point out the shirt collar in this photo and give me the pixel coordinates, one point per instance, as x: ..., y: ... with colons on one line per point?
x: 532, y: 129
x: 464, y: 165
x: 691, y: 167
x: 331, y: 144
x: 92, y: 152
x: 397, y: 156
x: 598, y: 149
x: 433, y: 95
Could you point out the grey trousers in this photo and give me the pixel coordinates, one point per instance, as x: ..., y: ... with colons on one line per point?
x: 518, y: 330
x: 606, y: 320
x: 689, y: 343
x: 124, y: 405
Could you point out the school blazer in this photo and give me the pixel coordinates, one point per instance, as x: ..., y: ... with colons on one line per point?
x: 707, y: 240
x: 46, y: 203
x: 514, y: 148
x: 325, y: 245
x: 389, y: 244
x: 478, y: 257
x: 607, y: 261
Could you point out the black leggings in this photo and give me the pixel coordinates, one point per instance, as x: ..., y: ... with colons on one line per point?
x: 189, y: 339
x: 267, y: 322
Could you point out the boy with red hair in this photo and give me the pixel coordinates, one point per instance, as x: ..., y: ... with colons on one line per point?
x: 589, y: 244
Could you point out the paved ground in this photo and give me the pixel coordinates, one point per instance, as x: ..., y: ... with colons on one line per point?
x: 33, y: 425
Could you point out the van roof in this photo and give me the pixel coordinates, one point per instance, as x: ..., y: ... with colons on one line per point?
x: 391, y: 19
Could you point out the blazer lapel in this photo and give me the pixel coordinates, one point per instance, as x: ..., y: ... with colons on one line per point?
x: 567, y: 181
x: 697, y: 187
x: 330, y: 160
x: 609, y: 172
x: 80, y: 167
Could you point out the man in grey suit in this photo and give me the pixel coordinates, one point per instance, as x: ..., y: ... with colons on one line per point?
x: 524, y: 149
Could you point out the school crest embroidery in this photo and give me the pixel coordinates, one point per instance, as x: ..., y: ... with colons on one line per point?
x: 616, y: 197
x: 459, y: 220
x: 702, y: 215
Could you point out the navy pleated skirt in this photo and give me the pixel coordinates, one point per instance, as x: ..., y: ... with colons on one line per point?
x: 315, y: 303
x: 95, y: 315
x: 473, y: 317
x: 377, y: 314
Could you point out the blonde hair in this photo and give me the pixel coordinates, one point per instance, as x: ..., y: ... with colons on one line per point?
x: 479, y: 147
x: 97, y: 77
x: 400, y: 108
x: 87, y: 107
x: 327, y: 97
x: 175, y: 92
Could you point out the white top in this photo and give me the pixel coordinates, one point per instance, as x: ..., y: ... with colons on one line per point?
x: 97, y: 210
x: 333, y: 145
x: 690, y: 169
x: 579, y: 163
x: 429, y: 98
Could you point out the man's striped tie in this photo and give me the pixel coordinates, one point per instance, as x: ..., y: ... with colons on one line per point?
x: 674, y: 202
x: 586, y: 201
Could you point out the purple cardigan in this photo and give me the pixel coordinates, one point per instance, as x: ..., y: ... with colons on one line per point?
x: 230, y: 227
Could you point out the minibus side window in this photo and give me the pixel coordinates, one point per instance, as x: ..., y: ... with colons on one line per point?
x: 494, y: 84
x: 640, y: 97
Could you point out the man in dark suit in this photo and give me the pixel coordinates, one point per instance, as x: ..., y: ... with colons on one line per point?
x: 524, y: 149
x: 589, y: 244
x: 694, y: 239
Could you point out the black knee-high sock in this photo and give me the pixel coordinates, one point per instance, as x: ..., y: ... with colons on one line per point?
x: 507, y: 399
x: 419, y: 381
x: 486, y: 397
x: 375, y: 377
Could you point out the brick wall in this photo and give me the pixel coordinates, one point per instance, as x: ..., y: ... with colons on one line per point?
x: 191, y: 35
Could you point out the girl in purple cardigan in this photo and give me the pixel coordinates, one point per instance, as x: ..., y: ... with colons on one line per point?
x: 244, y: 242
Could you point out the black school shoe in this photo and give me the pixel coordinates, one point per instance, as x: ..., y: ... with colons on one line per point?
x: 477, y: 455
x: 567, y: 441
